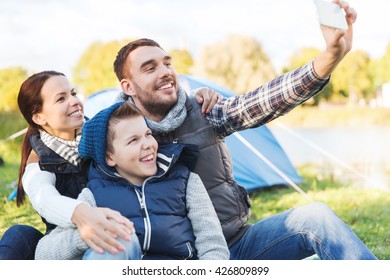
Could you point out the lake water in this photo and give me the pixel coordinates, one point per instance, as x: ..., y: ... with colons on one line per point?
x: 357, y: 155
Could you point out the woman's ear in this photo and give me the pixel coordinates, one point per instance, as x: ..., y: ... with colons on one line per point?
x: 39, y: 119
x: 109, y: 160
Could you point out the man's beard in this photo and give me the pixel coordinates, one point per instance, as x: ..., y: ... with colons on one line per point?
x: 151, y: 105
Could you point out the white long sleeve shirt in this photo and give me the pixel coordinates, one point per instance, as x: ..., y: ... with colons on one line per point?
x: 47, y: 201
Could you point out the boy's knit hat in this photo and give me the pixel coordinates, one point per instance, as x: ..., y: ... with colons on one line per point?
x: 93, y: 141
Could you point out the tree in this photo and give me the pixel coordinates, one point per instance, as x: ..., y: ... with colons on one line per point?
x: 381, y: 68
x: 350, y: 82
x: 10, y: 82
x: 300, y: 58
x: 353, y: 79
x: 239, y: 63
x: 94, y: 70
x: 182, y: 61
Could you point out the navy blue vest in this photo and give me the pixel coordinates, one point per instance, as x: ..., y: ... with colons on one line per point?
x: 162, y: 226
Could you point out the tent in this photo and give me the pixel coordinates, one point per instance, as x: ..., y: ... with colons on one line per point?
x: 258, y: 159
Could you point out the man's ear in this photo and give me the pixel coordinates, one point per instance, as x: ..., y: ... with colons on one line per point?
x: 109, y: 160
x: 39, y: 119
x: 127, y: 87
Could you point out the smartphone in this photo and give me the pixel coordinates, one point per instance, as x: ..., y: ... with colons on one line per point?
x: 330, y: 14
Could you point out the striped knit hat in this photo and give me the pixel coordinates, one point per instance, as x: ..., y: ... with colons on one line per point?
x: 93, y: 141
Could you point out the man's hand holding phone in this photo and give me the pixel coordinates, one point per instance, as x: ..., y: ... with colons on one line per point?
x: 331, y: 15
x: 336, y: 21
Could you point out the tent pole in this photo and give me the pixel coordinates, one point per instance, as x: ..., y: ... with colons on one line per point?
x: 15, y: 135
x: 272, y: 166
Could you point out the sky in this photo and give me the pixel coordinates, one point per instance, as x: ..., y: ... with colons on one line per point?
x: 52, y: 34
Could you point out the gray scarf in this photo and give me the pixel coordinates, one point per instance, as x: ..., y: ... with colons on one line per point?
x: 173, y: 119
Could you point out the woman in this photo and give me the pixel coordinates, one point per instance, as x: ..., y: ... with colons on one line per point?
x: 55, y: 116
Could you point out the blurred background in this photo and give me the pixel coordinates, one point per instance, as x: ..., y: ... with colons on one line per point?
x: 338, y: 140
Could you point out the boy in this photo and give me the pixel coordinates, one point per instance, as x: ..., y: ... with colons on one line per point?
x: 169, y: 206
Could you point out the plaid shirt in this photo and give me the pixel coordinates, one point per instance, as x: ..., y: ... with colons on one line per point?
x: 267, y: 102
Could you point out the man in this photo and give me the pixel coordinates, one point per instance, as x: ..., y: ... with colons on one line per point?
x: 146, y: 76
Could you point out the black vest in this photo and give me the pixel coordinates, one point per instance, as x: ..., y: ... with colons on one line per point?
x: 70, y: 180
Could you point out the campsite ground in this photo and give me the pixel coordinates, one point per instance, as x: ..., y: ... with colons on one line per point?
x: 367, y: 211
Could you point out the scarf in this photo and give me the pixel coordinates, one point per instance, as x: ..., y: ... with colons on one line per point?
x: 68, y: 150
x: 173, y: 119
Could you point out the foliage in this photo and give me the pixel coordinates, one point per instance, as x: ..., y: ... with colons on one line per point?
x: 10, y: 81
x: 11, y: 122
x: 300, y: 58
x: 381, y: 68
x: 351, y: 82
x: 239, y: 63
x: 352, y: 78
x: 181, y: 60
x: 94, y: 70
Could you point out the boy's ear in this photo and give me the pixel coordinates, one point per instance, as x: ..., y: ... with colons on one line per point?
x: 109, y: 160
x: 39, y: 119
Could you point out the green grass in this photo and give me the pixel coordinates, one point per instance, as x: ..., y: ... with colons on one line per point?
x: 367, y: 211
x: 9, y: 213
x: 10, y: 152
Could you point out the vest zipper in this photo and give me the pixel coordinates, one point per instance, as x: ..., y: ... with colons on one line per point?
x: 144, y: 210
x: 145, y: 215
x: 190, y: 252
x: 142, y: 202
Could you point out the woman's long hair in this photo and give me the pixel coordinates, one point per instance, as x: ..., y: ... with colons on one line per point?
x: 30, y: 102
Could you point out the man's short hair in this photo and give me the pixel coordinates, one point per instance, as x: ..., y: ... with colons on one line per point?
x: 120, y: 60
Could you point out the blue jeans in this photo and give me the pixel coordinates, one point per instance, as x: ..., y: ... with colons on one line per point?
x: 19, y: 243
x: 132, y: 251
x: 299, y: 233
